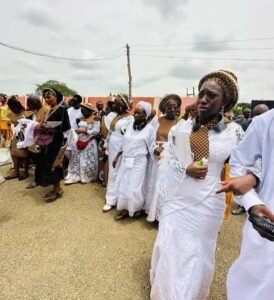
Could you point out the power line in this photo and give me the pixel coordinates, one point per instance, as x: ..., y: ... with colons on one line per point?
x: 201, y: 50
x: 207, y: 58
x: 103, y: 57
x: 205, y: 43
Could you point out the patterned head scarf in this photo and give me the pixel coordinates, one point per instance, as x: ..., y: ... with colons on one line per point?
x: 88, y: 106
x: 53, y: 91
x: 228, y: 81
x: 126, y: 101
x: 164, y: 101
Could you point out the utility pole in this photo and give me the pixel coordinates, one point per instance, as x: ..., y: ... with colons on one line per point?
x: 129, y: 71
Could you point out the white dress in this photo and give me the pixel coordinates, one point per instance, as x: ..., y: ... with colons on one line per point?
x: 84, y: 163
x: 137, y: 147
x: 252, y: 274
x: 184, y: 252
x: 114, y: 145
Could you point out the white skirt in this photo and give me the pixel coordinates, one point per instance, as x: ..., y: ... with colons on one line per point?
x: 114, y: 147
x: 184, y: 252
x: 130, y: 181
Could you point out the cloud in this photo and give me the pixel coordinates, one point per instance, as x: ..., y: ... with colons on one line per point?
x: 146, y: 79
x: 206, y: 42
x: 86, y: 54
x: 84, y: 75
x: 28, y: 64
x: 40, y: 14
x: 168, y: 8
x: 190, y: 70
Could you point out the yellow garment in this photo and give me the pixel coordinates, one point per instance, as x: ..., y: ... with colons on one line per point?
x: 40, y: 115
x: 4, y: 110
x: 229, y: 195
x: 4, y: 120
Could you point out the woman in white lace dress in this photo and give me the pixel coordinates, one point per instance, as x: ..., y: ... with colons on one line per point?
x: 184, y: 252
x: 84, y: 163
x: 118, y: 126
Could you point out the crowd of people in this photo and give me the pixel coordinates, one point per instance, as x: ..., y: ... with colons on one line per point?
x: 166, y: 167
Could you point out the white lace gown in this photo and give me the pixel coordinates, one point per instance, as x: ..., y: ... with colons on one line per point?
x: 114, y: 145
x: 83, y: 165
x: 252, y: 274
x: 137, y: 148
x: 184, y: 252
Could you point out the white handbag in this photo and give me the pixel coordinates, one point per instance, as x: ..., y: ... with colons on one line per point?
x: 5, y: 157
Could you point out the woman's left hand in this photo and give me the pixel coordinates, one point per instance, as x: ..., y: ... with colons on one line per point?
x: 197, y: 172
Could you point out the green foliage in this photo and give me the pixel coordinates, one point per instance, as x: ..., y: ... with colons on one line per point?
x: 59, y: 86
x: 238, y: 109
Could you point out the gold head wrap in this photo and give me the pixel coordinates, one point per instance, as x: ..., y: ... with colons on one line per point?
x: 165, y: 100
x: 228, y: 81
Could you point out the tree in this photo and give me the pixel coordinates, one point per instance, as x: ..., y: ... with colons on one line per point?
x: 59, y: 86
x: 238, y: 109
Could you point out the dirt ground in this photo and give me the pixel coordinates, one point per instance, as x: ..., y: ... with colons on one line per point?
x: 69, y: 249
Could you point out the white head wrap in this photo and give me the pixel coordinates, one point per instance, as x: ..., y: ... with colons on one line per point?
x: 146, y: 106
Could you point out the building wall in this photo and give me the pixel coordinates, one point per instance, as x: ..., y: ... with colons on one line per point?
x: 154, y: 101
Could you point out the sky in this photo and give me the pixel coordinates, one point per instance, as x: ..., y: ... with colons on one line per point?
x: 164, y: 38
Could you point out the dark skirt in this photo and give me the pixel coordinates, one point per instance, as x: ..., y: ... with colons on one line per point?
x: 45, y: 175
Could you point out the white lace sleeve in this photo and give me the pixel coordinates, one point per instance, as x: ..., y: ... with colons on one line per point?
x: 93, y: 129
x: 169, y: 161
x: 239, y: 135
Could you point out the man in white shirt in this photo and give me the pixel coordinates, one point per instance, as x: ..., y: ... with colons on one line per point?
x: 74, y: 111
x: 252, y: 274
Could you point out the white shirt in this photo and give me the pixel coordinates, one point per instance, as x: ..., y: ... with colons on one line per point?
x: 73, y: 115
x: 258, y: 142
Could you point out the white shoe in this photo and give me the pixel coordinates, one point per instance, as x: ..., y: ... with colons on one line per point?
x: 67, y: 177
x: 70, y: 181
x: 107, y: 208
x: 150, y: 220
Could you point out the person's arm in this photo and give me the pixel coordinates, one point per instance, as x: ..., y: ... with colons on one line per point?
x: 94, y: 130
x: 114, y: 162
x: 242, y: 160
x: 150, y: 142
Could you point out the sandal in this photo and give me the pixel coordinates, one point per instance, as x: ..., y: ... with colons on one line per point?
x: 122, y: 215
x: 238, y: 211
x: 11, y: 177
x: 54, y: 196
x: 31, y: 185
x: 23, y: 177
x: 138, y: 214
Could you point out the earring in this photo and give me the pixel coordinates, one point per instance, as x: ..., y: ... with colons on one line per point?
x: 222, y: 111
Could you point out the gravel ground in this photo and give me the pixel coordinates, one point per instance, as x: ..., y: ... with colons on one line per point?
x: 69, y: 249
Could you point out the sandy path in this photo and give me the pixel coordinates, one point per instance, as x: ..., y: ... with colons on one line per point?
x: 69, y: 249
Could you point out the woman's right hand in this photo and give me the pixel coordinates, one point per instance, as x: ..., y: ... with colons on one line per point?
x: 158, y: 150
x: 195, y: 171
